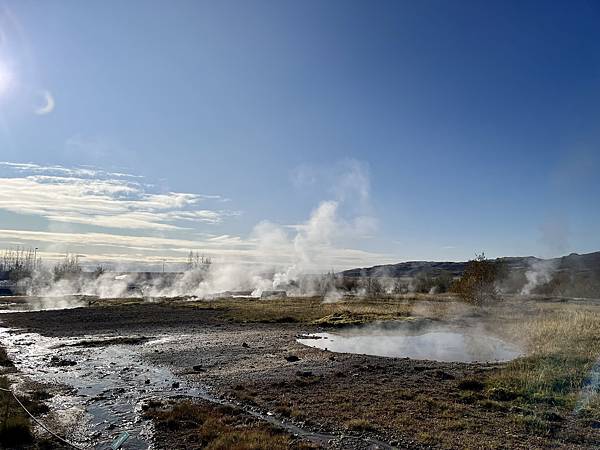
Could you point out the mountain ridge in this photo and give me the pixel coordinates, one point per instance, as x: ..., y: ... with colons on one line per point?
x: 572, y: 262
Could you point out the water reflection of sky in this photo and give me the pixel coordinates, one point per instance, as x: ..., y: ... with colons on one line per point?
x: 439, y: 345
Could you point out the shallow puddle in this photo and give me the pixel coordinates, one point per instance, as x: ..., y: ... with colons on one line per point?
x: 109, y: 385
x: 449, y: 344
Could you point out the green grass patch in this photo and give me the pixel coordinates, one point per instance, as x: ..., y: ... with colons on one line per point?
x: 563, y: 348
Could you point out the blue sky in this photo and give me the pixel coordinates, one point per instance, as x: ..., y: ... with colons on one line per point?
x: 438, y: 129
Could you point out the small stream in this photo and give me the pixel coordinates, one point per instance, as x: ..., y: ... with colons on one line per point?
x: 109, y: 384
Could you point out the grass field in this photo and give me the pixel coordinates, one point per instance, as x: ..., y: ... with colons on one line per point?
x: 562, y: 344
x: 200, y: 425
x: 537, y: 394
x: 351, y: 311
x: 561, y: 340
x: 535, y: 401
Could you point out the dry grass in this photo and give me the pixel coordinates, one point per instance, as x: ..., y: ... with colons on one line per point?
x: 15, y: 426
x: 4, y: 359
x: 561, y: 340
x: 349, y: 311
x: 360, y: 425
x: 532, y: 397
x: 198, y: 425
x: 248, y: 440
x: 122, y: 301
x: 15, y: 429
x: 562, y: 346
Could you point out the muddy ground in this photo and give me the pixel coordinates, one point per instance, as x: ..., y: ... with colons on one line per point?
x: 345, y: 400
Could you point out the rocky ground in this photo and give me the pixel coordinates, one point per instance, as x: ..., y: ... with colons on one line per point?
x: 345, y: 400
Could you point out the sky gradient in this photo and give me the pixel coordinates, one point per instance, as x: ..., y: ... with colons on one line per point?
x: 335, y: 133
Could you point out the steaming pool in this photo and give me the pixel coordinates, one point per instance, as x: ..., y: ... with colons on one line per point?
x: 447, y: 344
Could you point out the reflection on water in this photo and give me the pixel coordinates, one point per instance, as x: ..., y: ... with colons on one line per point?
x: 441, y: 344
x: 109, y: 385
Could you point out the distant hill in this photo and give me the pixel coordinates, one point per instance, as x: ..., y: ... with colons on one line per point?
x: 574, y: 263
x: 407, y: 269
x: 589, y: 262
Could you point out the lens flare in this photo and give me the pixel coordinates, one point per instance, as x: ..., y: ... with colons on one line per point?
x: 6, y: 78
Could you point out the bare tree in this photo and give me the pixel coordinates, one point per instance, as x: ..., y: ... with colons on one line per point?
x: 19, y: 263
x: 197, y: 261
x: 69, y: 268
x: 99, y: 271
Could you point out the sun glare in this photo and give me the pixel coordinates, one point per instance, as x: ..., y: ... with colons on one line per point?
x: 5, y: 78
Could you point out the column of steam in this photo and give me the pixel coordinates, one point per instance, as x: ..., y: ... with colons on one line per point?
x: 590, y: 388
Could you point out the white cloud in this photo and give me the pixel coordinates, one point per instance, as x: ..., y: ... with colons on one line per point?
x: 155, y: 224
x: 92, y: 197
x: 82, y: 172
x: 101, y: 247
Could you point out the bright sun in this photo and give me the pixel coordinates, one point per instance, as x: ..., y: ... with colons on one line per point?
x: 5, y: 78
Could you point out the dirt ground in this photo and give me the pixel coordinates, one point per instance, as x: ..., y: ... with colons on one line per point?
x: 362, y: 400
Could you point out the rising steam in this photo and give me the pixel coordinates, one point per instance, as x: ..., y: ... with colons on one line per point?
x: 303, y: 247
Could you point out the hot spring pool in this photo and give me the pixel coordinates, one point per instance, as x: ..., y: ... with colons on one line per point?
x: 440, y: 344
